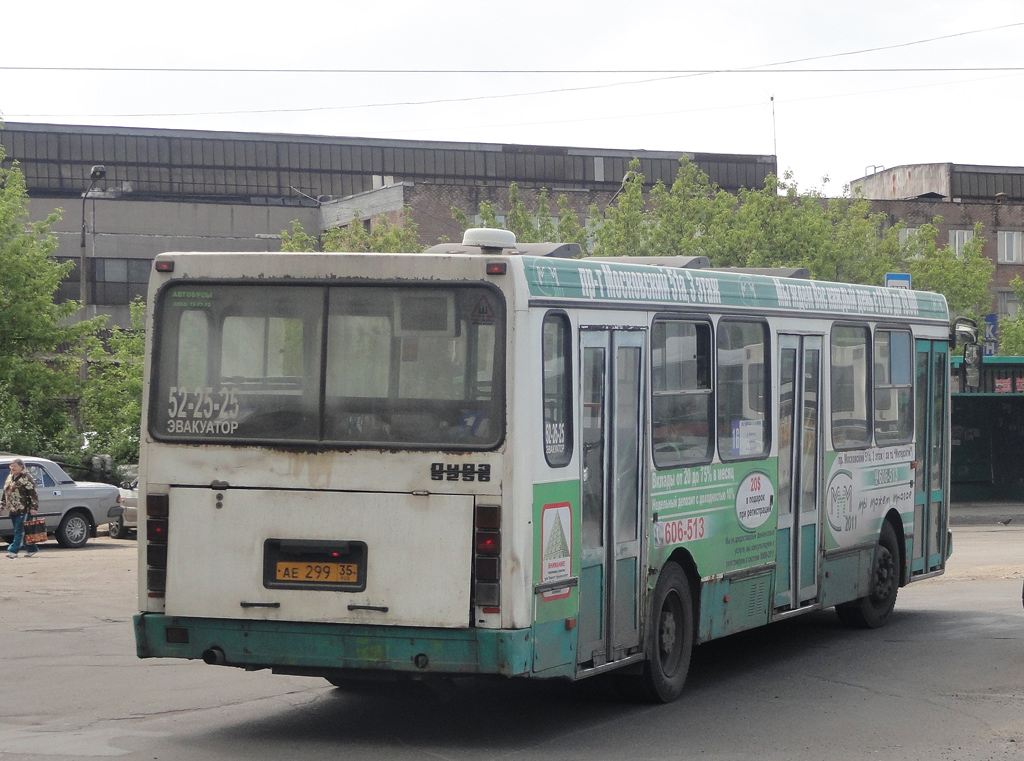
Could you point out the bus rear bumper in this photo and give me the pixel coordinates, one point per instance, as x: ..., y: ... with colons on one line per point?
x: 294, y: 647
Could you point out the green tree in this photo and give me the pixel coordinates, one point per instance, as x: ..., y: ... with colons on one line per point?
x: 779, y: 226
x: 569, y: 229
x: 547, y: 230
x: 622, y: 228
x: 529, y: 227
x: 1011, y: 329
x: 384, y: 236
x: 962, y: 278
x: 110, y: 405
x: 519, y: 219
x: 40, y: 350
x: 298, y: 239
x: 684, y: 213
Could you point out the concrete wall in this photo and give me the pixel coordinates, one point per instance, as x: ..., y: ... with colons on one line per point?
x: 339, y: 212
x: 906, y: 182
x: 128, y: 229
x: 432, y: 205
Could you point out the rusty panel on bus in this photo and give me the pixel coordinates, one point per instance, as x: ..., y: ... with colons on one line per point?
x: 350, y: 557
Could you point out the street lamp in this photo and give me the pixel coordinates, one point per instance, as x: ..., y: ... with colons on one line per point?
x: 98, y: 173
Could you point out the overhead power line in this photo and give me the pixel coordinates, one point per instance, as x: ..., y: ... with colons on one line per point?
x: 691, y: 72
x: 655, y: 75
x: 670, y: 72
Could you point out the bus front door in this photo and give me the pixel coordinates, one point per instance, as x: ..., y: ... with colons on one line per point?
x: 799, y: 458
x: 610, y: 567
x: 932, y: 369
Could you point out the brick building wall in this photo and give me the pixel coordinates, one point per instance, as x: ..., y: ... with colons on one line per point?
x: 994, y: 217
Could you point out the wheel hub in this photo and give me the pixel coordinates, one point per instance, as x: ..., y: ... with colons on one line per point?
x: 884, y: 574
x: 667, y: 633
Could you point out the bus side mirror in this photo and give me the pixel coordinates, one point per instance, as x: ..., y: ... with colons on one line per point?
x: 972, y: 364
x: 965, y: 331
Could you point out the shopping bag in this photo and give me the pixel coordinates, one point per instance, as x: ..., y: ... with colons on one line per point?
x: 35, y: 530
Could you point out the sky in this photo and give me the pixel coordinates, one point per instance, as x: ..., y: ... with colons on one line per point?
x: 679, y: 75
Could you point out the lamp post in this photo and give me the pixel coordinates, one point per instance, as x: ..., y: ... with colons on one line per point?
x: 98, y: 173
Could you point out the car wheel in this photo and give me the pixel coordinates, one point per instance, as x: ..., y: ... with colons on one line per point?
x: 73, y: 531
x: 117, y: 529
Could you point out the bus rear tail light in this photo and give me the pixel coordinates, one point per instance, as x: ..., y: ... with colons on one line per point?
x: 488, y: 543
x: 157, y: 510
x: 487, y: 558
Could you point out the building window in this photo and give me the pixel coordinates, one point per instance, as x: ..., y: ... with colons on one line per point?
x: 499, y: 218
x: 1011, y: 247
x: 1008, y: 305
x: 681, y: 399
x: 119, y: 281
x: 958, y: 238
x: 70, y: 287
x: 907, y: 233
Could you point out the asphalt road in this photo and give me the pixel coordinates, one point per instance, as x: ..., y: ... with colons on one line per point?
x: 944, y: 680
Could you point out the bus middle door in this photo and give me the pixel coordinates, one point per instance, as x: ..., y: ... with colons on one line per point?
x: 799, y: 389
x: 610, y: 572
x: 929, y: 546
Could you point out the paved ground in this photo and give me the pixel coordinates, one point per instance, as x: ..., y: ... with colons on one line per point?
x: 986, y: 513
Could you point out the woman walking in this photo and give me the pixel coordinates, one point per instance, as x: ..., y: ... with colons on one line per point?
x: 20, y: 499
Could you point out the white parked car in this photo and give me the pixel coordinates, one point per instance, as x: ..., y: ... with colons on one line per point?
x: 127, y: 523
x: 73, y: 509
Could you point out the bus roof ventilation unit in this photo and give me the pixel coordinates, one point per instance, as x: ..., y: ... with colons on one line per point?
x: 801, y: 273
x: 487, y: 240
x: 676, y: 262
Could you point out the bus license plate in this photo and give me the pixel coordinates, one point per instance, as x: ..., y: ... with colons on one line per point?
x: 327, y: 573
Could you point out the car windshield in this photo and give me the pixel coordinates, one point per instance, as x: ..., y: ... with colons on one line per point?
x: 344, y: 366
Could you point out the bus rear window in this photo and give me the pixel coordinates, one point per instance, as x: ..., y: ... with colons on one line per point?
x: 338, y: 366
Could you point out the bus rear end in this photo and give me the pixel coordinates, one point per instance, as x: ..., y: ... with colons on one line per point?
x: 323, y: 447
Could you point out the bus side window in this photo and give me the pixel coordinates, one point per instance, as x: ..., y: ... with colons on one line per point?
x: 681, y: 397
x: 743, y: 424
x: 894, y: 422
x: 557, y: 389
x: 849, y: 372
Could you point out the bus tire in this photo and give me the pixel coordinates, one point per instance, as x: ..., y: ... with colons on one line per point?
x: 670, y: 639
x: 873, y: 610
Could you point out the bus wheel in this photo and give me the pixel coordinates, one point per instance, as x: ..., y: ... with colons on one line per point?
x: 671, y: 637
x: 872, y: 611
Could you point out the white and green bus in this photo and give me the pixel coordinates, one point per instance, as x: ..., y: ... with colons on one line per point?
x: 481, y: 461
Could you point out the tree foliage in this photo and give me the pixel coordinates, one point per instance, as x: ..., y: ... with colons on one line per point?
x: 837, y: 239
x: 110, y: 406
x: 962, y: 278
x: 1011, y: 329
x: 40, y: 351
x: 535, y: 225
x: 384, y: 236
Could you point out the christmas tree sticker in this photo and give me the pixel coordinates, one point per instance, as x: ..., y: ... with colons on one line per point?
x: 556, y: 548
